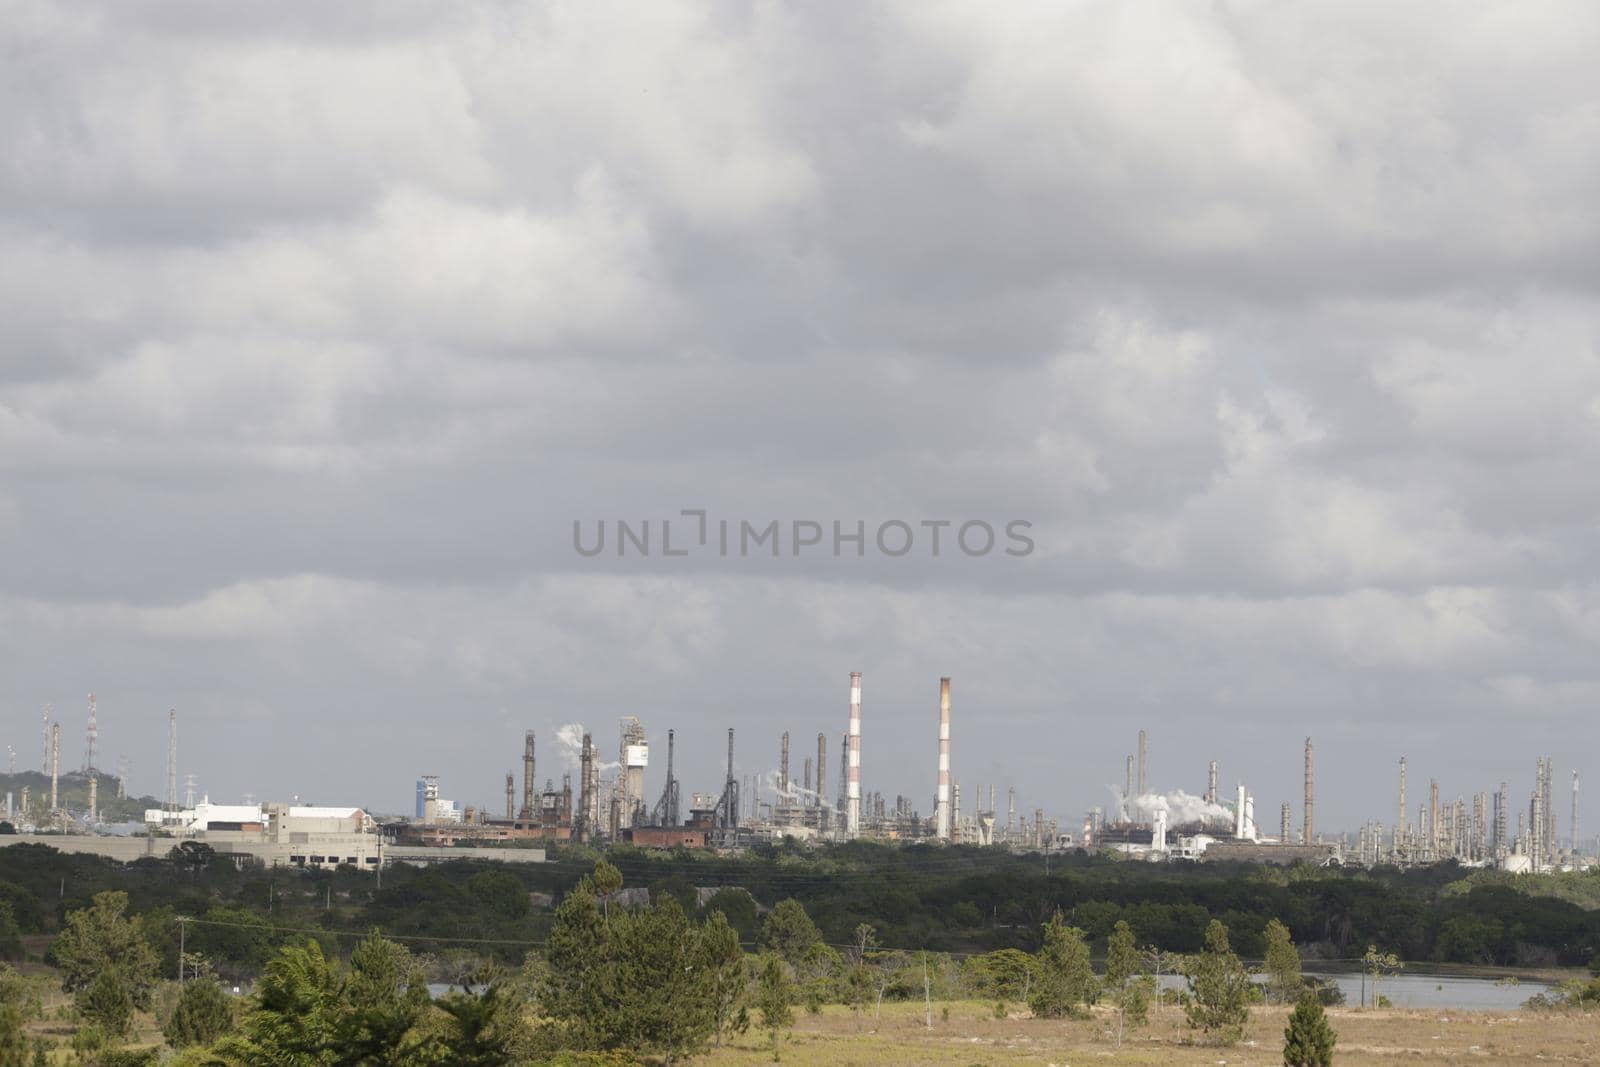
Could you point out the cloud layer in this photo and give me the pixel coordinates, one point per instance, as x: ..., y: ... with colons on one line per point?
x: 319, y: 329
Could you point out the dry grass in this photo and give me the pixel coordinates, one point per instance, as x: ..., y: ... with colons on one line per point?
x: 973, y: 1036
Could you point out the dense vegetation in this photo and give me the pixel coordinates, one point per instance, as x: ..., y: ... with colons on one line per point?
x: 950, y: 900
x: 663, y: 954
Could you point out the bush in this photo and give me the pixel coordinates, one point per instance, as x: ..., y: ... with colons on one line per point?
x: 1308, y: 1040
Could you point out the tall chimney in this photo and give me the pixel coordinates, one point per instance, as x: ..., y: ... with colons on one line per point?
x: 1211, y: 783
x: 1305, y: 835
x: 783, y: 770
x: 941, y: 809
x: 852, y: 810
x: 822, y: 768
x: 1574, y: 829
x: 1144, y: 753
x: 511, y: 796
x: 1127, y: 782
x: 1400, y: 822
x: 528, y: 805
x: 1433, y: 818
x: 1238, y: 814
x: 1283, y: 824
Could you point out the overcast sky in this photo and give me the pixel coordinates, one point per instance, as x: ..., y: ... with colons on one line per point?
x: 320, y: 326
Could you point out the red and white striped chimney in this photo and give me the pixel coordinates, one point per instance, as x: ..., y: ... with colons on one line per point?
x: 852, y: 808
x: 941, y: 810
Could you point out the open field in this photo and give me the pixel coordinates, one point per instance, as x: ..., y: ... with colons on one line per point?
x: 973, y: 1036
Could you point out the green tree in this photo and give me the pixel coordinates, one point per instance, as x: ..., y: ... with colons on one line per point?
x: 10, y: 932
x: 480, y: 1030
x: 203, y: 1014
x: 1308, y: 1040
x: 382, y: 998
x: 577, y: 992
x: 1129, y: 987
x: 1065, y: 984
x: 1376, y: 966
x: 643, y: 981
x: 107, y: 1002
x: 101, y: 939
x: 297, y: 1012
x: 13, y: 1039
x: 1282, y: 965
x: 774, y: 998
x: 728, y: 987
x: 790, y: 933
x: 1219, y: 988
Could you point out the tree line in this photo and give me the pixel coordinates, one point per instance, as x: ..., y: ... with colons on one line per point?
x: 612, y: 980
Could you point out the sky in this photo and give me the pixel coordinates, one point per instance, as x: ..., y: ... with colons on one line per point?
x: 322, y: 327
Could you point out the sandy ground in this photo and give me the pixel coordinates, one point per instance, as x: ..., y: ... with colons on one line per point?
x: 973, y: 1036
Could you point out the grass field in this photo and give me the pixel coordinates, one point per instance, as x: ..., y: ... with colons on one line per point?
x: 973, y: 1036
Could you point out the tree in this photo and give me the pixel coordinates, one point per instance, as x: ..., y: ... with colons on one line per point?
x: 1066, y: 982
x: 297, y: 1013
x: 1125, y: 981
x: 480, y: 1030
x: 10, y: 933
x: 1219, y: 988
x: 107, y: 1003
x: 1282, y: 964
x: 1376, y: 966
x: 382, y: 998
x: 774, y: 998
x: 13, y: 1041
x: 202, y: 1015
x: 1308, y: 1040
x: 634, y: 980
x: 790, y: 933
x: 727, y: 985
x: 101, y: 939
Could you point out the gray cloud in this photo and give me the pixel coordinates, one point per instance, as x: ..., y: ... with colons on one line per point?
x: 318, y: 330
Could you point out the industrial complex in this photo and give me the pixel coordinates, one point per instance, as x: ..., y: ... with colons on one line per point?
x: 609, y: 803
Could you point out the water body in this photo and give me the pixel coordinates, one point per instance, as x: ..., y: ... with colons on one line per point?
x: 1424, y: 991
x: 1439, y: 991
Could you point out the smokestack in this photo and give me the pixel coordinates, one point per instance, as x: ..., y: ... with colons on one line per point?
x: 55, y: 766
x: 1433, y: 818
x: 1211, y: 783
x: 1144, y: 755
x: 1238, y: 814
x: 852, y: 810
x: 783, y: 770
x: 822, y: 768
x: 511, y: 796
x: 528, y: 805
x: 1127, y: 781
x: 1305, y: 836
x: 941, y: 809
x: 1502, y: 804
x: 1574, y: 813
x: 1400, y: 823
x: 1283, y: 824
